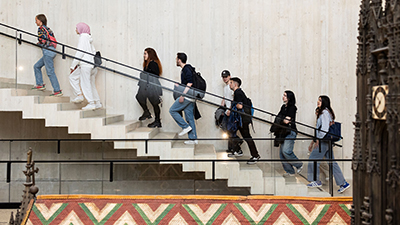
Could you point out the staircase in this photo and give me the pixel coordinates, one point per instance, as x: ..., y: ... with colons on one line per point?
x: 59, y: 112
x: 263, y: 178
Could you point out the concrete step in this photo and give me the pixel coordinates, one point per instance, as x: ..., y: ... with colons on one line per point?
x: 71, y: 106
x: 50, y: 99
x: 90, y: 113
x: 138, y: 133
x: 109, y: 119
x: 129, y: 125
x: 10, y: 83
x: 30, y: 92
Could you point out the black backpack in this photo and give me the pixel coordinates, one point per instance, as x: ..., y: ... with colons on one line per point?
x: 199, y: 83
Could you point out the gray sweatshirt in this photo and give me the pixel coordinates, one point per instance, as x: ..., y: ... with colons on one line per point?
x: 323, y: 123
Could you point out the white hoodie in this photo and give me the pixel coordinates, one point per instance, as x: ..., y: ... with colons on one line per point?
x: 84, y: 44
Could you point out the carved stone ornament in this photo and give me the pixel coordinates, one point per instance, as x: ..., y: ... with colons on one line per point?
x: 366, y: 215
x: 389, y: 216
x: 393, y: 176
x: 30, y: 190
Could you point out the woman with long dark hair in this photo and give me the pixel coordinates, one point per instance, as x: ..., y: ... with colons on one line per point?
x: 325, y: 116
x: 288, y: 116
x: 150, y: 90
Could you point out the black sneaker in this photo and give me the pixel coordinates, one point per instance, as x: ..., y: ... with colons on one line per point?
x: 236, y: 154
x: 229, y: 151
x: 145, y: 115
x: 155, y: 124
x: 253, y: 160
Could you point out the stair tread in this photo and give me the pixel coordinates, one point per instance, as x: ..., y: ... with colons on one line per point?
x: 165, y: 135
x: 204, y: 149
x: 106, y: 116
x: 180, y: 144
x: 142, y: 130
x: 123, y: 123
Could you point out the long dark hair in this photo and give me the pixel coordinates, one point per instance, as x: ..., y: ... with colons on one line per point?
x: 152, y: 57
x: 291, y: 98
x: 325, y: 104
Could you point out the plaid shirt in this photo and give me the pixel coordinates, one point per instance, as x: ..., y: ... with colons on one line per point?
x: 42, y: 33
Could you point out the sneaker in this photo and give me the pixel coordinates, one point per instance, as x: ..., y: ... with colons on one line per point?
x: 299, y: 169
x: 344, y: 187
x: 90, y: 106
x: 191, y: 142
x: 185, y: 131
x: 78, y: 99
x: 314, y: 184
x: 236, y: 154
x: 39, y: 87
x: 229, y: 151
x: 253, y: 160
x: 98, y: 105
x: 145, y: 115
x: 57, y: 94
x: 289, y: 174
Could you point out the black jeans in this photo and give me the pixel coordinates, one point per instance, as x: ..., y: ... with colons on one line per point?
x: 142, y: 96
x: 245, y: 132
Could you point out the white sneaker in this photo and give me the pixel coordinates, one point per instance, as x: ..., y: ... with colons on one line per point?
x: 78, y: 99
x: 98, y: 105
x: 90, y: 106
x: 185, y: 131
x: 191, y: 142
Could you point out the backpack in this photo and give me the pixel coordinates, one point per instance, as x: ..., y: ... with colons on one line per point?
x: 198, y: 83
x: 335, y: 132
x: 250, y: 103
x: 249, y: 109
x: 97, y: 59
x: 52, y: 39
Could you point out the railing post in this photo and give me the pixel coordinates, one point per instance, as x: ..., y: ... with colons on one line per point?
x: 16, y: 59
x: 213, y: 170
x: 20, y: 39
x: 330, y: 149
x: 146, y: 146
x: 315, y: 169
x: 8, y: 172
x: 111, y: 171
x: 58, y: 146
x: 63, y: 52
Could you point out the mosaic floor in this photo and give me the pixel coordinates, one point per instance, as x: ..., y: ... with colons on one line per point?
x: 230, y: 210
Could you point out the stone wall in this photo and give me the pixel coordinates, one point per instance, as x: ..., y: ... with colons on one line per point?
x: 306, y: 46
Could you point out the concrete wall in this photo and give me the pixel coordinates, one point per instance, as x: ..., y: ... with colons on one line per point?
x: 306, y: 46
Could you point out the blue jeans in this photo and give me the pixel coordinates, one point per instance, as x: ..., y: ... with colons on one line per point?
x: 315, y: 154
x: 47, y: 61
x: 187, y: 107
x: 286, y: 152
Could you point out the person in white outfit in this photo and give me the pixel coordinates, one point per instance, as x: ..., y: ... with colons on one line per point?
x: 83, y: 72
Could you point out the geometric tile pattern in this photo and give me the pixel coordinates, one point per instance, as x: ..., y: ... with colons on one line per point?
x: 199, y: 210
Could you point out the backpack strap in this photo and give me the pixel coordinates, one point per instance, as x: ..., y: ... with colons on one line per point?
x: 48, y: 36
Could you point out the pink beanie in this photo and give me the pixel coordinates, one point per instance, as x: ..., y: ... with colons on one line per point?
x: 83, y: 28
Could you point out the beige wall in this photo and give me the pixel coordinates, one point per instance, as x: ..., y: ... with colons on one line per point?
x: 306, y: 46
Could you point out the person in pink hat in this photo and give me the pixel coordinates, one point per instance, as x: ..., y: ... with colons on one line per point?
x: 83, y: 72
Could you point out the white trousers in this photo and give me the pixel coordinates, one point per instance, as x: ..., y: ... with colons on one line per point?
x: 87, y: 77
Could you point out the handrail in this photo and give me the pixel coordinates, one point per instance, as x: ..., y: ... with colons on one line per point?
x: 163, y: 78
x: 212, y: 161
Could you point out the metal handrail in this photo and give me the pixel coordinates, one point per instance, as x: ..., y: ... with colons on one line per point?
x: 139, y: 70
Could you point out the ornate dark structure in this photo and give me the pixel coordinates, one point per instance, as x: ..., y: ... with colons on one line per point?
x: 30, y: 192
x: 376, y: 154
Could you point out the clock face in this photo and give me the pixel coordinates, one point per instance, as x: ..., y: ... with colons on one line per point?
x: 379, y: 101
